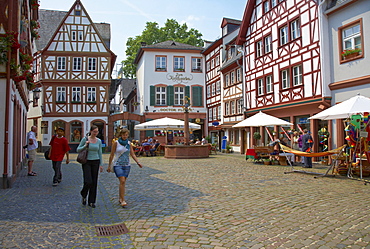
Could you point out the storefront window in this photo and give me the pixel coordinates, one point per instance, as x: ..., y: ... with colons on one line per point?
x: 44, y: 127
x: 76, y: 131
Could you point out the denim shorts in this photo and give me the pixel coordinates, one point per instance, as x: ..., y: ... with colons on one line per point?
x: 122, y: 170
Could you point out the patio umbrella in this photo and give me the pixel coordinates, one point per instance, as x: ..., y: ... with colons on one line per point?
x: 165, y: 124
x: 356, y: 104
x: 261, y: 119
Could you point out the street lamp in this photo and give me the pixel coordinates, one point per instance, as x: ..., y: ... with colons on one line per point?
x: 36, y: 93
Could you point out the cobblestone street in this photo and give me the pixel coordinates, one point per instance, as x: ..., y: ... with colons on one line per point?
x: 219, y: 202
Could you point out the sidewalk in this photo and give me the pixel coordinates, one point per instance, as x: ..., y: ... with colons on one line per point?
x: 219, y: 202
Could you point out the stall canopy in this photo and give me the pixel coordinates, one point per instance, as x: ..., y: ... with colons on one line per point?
x: 165, y: 124
x: 261, y: 119
x: 354, y: 105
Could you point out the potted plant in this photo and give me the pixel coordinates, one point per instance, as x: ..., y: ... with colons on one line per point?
x: 267, y: 161
x: 350, y: 53
x: 228, y: 148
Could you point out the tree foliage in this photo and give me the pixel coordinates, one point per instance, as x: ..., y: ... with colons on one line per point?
x: 153, y: 34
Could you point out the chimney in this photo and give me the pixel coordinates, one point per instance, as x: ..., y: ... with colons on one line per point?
x: 143, y: 44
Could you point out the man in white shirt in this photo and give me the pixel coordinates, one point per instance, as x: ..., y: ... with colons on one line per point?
x: 32, y: 147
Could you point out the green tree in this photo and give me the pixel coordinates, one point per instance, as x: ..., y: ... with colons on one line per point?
x: 153, y: 34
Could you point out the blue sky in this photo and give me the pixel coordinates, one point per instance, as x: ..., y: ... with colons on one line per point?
x: 128, y: 18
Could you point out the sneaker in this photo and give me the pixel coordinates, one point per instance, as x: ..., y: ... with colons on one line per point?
x: 60, y: 180
x: 55, y: 183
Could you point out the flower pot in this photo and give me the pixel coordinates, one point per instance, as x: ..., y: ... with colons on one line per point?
x: 267, y: 162
x: 351, y: 56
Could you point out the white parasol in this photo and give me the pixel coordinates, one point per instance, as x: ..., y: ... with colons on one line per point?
x: 261, y: 119
x: 354, y: 105
x: 165, y: 124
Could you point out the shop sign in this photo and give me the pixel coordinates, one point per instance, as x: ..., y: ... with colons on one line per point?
x: 179, y: 77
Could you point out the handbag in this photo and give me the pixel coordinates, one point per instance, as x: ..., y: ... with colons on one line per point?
x: 82, y: 155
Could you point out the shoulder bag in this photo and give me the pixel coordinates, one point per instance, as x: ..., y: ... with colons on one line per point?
x: 82, y: 155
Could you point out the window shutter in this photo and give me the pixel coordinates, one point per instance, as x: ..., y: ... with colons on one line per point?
x: 170, y: 95
x: 149, y: 133
x: 197, y: 96
x: 187, y: 91
x: 152, y: 95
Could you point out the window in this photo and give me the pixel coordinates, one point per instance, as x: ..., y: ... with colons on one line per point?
x: 73, y: 34
x: 91, y: 94
x: 209, y: 91
x: 160, y: 95
x: 160, y: 63
x: 238, y: 75
x: 268, y: 44
x: 77, y: 64
x: 179, y: 95
x: 231, y: 138
x: 80, y: 35
x: 266, y: 6
x: 273, y: 3
x: 284, y: 35
x: 214, y: 113
x: 219, y: 112
x: 196, y: 64
x: 240, y: 106
x: 232, y: 107
x: 56, y: 125
x: 61, y: 63
x: 217, y: 60
x: 227, y: 108
x: 208, y: 66
x: 297, y: 75
x: 258, y: 48
x: 213, y: 89
x: 351, y: 46
x: 76, y: 94
x: 226, y: 80
x: 76, y: 131
x: 213, y: 63
x: 77, y: 12
x: 44, y: 127
x: 236, y: 139
x: 218, y: 87
x: 232, y: 78
x: 210, y: 116
x: 61, y: 94
x: 179, y: 64
x: 260, y: 87
x: 269, y: 87
x: 285, y: 82
x: 295, y: 29
x: 92, y: 64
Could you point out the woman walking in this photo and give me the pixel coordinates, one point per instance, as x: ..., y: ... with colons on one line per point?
x: 120, y: 159
x: 58, y: 148
x: 91, y: 167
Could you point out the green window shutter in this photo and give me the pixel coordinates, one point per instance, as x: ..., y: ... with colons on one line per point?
x: 170, y: 95
x: 197, y: 96
x: 152, y: 95
x: 187, y: 91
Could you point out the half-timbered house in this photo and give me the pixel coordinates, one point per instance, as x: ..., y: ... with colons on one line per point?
x: 18, y: 30
x: 224, y: 84
x: 280, y: 39
x: 74, y: 68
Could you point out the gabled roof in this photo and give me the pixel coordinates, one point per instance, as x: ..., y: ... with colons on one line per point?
x: 212, y: 46
x: 63, y: 20
x: 245, y: 22
x: 226, y: 21
x: 166, y: 45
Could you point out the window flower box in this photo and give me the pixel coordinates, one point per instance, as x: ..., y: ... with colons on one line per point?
x: 350, y: 54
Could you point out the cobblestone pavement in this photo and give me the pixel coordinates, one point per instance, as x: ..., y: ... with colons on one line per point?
x: 219, y: 202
